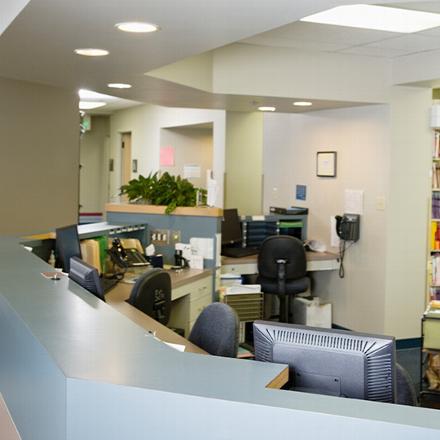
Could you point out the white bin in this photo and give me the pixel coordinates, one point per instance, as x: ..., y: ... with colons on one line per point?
x: 311, y: 312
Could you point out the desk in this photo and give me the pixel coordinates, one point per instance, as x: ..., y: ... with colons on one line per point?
x: 190, y: 293
x: 72, y: 367
x: 316, y: 261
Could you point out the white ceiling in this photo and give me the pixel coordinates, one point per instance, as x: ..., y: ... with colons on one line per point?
x: 38, y: 46
x: 330, y: 38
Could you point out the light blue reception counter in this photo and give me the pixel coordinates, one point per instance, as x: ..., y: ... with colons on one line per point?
x: 72, y: 367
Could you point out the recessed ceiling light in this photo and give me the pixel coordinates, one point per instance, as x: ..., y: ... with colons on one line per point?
x: 119, y: 86
x: 89, y: 105
x: 136, y: 26
x: 266, y: 109
x: 302, y: 103
x: 91, y: 52
x: 381, y: 18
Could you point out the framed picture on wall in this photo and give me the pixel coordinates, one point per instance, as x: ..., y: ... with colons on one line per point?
x: 326, y: 163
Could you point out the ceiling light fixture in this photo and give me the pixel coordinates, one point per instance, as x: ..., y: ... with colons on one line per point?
x: 91, y: 52
x: 266, y: 109
x: 119, y: 86
x: 382, y: 18
x: 90, y: 105
x: 137, y: 27
x: 302, y: 103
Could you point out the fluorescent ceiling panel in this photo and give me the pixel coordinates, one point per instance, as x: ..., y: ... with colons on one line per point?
x: 377, y: 17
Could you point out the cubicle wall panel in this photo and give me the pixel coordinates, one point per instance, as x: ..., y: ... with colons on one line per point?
x: 114, y: 412
x: 189, y: 227
x: 32, y: 385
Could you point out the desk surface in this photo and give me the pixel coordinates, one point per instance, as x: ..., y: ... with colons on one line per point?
x: 311, y: 256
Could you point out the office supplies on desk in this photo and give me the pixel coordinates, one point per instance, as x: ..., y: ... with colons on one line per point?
x: 232, y: 237
x: 292, y: 210
x: 126, y: 257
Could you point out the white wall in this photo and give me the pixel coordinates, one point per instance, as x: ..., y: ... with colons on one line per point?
x: 383, y: 150
x: 39, y: 167
x: 192, y: 146
x: 360, y: 137
x: 94, y: 165
x: 145, y: 123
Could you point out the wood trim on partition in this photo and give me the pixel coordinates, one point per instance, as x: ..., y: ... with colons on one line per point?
x: 280, y: 380
x: 158, y: 209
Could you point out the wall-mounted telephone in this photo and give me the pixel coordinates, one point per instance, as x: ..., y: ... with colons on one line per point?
x: 126, y: 257
x: 347, y: 227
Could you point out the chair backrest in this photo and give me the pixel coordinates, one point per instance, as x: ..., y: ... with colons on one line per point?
x: 151, y: 294
x: 67, y: 245
x: 405, y: 389
x: 216, y: 330
x: 282, y: 247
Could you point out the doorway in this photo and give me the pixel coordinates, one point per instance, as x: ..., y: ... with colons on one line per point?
x: 125, y: 158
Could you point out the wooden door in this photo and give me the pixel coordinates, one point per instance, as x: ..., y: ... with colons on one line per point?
x: 125, y: 158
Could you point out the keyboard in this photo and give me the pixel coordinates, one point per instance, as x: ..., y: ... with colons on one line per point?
x: 239, y: 252
x: 135, y: 258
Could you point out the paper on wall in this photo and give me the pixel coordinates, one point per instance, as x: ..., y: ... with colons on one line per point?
x: 191, y: 171
x: 203, y: 247
x: 354, y: 201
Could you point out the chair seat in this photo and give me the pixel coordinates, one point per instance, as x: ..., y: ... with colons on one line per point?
x: 293, y: 287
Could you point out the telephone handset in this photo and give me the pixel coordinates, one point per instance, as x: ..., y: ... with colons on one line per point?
x: 126, y: 257
x: 347, y: 227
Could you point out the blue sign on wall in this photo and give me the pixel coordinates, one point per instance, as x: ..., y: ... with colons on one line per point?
x: 301, y: 191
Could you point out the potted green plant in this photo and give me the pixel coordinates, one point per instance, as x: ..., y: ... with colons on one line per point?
x: 172, y: 191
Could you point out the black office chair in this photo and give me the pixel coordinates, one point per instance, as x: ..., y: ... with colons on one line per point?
x: 67, y: 245
x: 405, y: 390
x: 282, y: 268
x: 151, y: 294
x: 216, y: 330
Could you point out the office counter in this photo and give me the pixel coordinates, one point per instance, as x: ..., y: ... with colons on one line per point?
x: 72, y: 367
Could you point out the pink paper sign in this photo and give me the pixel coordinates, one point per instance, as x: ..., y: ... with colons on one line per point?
x: 166, y: 156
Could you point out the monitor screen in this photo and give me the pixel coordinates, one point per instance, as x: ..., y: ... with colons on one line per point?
x: 86, y: 276
x: 67, y: 245
x: 328, y: 361
x: 231, y: 227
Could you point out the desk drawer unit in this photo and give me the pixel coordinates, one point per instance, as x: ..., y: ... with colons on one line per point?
x: 188, y: 302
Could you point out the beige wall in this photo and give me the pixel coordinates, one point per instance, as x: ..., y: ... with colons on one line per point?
x: 192, y: 146
x: 94, y: 166
x: 39, y: 147
x: 407, y: 219
x: 244, y: 156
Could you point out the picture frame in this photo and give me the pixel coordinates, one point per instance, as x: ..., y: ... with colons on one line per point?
x: 326, y: 163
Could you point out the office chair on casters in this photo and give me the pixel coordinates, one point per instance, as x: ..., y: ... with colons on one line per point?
x: 151, y: 294
x: 216, y: 330
x: 282, y: 268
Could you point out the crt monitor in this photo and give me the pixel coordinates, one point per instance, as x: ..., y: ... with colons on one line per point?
x: 231, y: 227
x: 86, y: 276
x: 328, y: 361
x: 67, y: 245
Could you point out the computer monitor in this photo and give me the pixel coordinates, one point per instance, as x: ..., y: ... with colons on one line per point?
x: 328, y: 361
x: 86, y: 276
x: 231, y: 227
x: 67, y: 245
